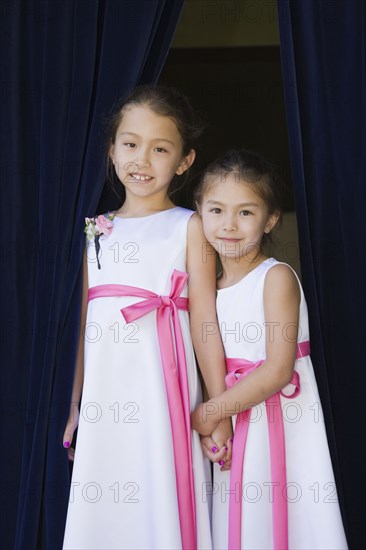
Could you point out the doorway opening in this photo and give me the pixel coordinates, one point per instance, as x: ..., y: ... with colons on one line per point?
x: 225, y: 57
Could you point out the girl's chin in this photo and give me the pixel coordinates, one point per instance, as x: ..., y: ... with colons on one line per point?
x: 139, y: 182
x: 239, y: 254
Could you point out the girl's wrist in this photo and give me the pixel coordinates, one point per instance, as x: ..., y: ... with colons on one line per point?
x: 212, y: 412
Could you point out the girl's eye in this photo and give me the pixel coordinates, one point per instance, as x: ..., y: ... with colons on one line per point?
x: 245, y: 213
x: 160, y: 150
x: 130, y: 145
x: 216, y: 210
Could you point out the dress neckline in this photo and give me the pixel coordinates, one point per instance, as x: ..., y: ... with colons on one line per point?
x: 245, y: 276
x: 144, y: 217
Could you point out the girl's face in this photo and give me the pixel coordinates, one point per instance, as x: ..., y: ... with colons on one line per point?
x: 148, y: 152
x: 235, y: 218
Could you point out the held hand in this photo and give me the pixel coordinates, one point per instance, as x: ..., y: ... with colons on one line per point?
x: 71, y: 426
x: 223, y: 435
x: 201, y: 421
x: 211, y: 449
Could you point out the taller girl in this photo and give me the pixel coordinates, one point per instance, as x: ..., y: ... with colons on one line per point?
x: 138, y: 471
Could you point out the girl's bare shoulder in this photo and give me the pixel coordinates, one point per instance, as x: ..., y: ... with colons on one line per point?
x: 280, y: 279
x: 195, y: 228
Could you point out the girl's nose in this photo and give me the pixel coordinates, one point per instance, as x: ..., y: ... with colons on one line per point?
x: 143, y: 159
x: 229, y: 223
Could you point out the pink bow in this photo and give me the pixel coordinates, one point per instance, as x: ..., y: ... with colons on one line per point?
x: 238, y: 369
x: 175, y: 373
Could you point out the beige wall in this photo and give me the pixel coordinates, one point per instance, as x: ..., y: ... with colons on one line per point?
x: 227, y: 23
x: 286, y: 247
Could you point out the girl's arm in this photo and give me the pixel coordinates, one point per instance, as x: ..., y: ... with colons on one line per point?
x: 201, y: 265
x: 281, y: 310
x: 79, y: 368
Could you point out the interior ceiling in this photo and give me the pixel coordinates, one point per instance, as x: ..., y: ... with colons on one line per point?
x: 227, y: 23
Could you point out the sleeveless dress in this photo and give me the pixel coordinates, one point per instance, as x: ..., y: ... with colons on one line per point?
x: 123, y: 491
x: 314, y: 520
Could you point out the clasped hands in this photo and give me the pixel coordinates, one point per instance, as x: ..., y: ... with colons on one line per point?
x: 216, y: 434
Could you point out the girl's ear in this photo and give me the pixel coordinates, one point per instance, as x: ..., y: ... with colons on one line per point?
x: 271, y: 222
x: 111, y: 152
x: 186, y: 162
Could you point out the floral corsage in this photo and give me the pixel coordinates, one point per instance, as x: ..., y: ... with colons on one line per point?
x: 96, y: 227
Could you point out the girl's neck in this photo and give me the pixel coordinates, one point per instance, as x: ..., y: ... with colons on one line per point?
x: 139, y: 208
x: 233, y: 270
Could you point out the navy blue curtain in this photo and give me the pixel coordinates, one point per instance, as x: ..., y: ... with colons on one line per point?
x: 323, y: 49
x: 63, y: 65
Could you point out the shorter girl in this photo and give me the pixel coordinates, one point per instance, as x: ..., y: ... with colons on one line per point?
x: 280, y: 492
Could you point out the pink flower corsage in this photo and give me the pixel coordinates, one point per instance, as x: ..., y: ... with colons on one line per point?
x: 96, y: 227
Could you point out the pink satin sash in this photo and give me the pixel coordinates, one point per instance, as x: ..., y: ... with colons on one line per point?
x: 238, y: 369
x: 175, y: 373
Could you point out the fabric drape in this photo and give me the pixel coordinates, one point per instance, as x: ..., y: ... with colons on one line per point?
x: 63, y: 65
x: 323, y: 50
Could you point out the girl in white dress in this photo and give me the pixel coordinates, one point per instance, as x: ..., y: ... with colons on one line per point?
x: 139, y: 471
x: 280, y: 492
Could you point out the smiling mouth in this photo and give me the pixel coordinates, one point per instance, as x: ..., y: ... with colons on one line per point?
x: 227, y: 240
x: 140, y: 177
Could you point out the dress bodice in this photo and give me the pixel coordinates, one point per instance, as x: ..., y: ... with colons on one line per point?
x: 240, y: 312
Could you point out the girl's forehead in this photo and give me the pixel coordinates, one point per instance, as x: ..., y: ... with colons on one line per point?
x: 143, y: 116
x: 143, y: 123
x: 229, y: 185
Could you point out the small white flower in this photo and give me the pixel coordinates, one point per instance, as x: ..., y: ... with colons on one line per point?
x: 99, y: 226
x: 90, y: 229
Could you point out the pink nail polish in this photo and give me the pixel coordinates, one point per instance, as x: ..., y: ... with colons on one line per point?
x: 67, y: 444
x: 231, y: 439
x: 226, y: 448
x: 214, y: 449
x: 221, y: 462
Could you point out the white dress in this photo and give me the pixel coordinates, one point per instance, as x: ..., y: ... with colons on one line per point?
x: 123, y: 492
x: 314, y: 520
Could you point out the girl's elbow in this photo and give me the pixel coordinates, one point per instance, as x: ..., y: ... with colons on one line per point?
x: 284, y: 375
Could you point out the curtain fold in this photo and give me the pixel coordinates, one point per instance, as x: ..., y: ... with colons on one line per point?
x: 64, y: 64
x: 323, y: 50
